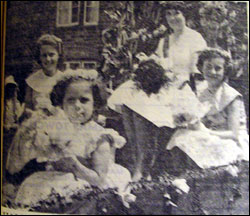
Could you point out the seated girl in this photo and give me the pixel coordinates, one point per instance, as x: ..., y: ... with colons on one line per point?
x: 75, y: 151
x: 221, y: 137
x: 148, y: 103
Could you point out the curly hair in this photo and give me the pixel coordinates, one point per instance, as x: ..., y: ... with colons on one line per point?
x: 150, y: 77
x: 58, y: 92
x: 210, y: 53
x: 53, y: 41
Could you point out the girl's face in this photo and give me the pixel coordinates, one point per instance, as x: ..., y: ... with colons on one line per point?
x: 49, y: 59
x: 213, y: 70
x: 175, y: 19
x: 78, y: 102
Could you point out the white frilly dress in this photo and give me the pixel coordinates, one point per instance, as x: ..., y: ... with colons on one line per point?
x: 159, y: 109
x: 50, y: 139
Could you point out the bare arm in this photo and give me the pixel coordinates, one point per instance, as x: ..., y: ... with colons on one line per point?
x: 224, y: 134
x: 101, y: 159
x: 236, y: 121
x: 100, y: 162
x: 227, y: 134
x: 73, y: 165
x: 237, y: 116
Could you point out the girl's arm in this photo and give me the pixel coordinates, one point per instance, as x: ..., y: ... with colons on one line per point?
x: 227, y: 134
x: 224, y: 134
x: 236, y: 121
x: 73, y: 165
x: 237, y: 116
x: 101, y: 159
x: 100, y: 162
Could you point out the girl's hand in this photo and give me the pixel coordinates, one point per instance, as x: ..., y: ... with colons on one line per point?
x: 142, y: 56
x: 105, y: 138
x: 113, y: 138
x: 66, y: 164
x: 199, y: 126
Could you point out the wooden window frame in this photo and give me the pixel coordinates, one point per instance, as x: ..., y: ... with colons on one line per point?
x: 81, y: 64
x: 89, y: 62
x: 85, y: 13
x: 70, y: 15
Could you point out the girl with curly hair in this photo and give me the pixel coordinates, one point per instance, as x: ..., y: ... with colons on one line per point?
x: 73, y: 150
x: 221, y: 136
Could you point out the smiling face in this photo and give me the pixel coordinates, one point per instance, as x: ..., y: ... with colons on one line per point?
x: 78, y: 102
x: 213, y: 70
x: 175, y: 19
x: 49, y: 59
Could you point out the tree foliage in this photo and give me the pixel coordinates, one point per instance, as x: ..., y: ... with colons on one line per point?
x: 136, y: 27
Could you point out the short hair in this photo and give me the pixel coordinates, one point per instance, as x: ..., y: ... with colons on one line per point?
x: 210, y: 53
x: 175, y: 5
x: 59, y: 90
x: 150, y: 77
x: 53, y: 41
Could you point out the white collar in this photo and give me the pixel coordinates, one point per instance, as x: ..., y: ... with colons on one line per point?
x: 41, y: 83
x: 224, y: 95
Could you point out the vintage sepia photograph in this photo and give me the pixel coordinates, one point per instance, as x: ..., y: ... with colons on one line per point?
x: 125, y: 108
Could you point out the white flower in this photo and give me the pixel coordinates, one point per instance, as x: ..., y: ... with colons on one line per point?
x: 86, y: 74
x: 233, y: 170
x: 187, y: 109
x: 181, y: 184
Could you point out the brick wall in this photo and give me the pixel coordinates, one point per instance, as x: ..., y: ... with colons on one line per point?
x: 27, y: 20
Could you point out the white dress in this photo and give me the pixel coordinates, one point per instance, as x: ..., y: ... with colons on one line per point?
x: 226, y: 113
x: 54, y: 138
x: 159, y: 108
x: 182, y: 56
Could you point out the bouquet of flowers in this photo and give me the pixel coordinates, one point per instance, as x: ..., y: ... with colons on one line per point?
x: 187, y: 110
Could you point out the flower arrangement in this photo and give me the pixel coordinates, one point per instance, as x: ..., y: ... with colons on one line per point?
x: 187, y: 109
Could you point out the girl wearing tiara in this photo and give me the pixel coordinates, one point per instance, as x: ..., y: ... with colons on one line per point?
x: 148, y: 104
x: 74, y: 150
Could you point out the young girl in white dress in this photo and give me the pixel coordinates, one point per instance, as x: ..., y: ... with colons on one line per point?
x: 148, y: 104
x: 76, y: 151
x: 221, y: 137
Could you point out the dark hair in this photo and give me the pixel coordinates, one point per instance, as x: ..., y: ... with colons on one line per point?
x: 10, y: 89
x: 49, y: 41
x: 175, y: 5
x: 150, y: 77
x: 58, y: 92
x: 214, y: 53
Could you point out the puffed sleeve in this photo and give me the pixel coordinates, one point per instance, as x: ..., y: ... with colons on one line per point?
x: 23, y: 148
x: 118, y: 140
